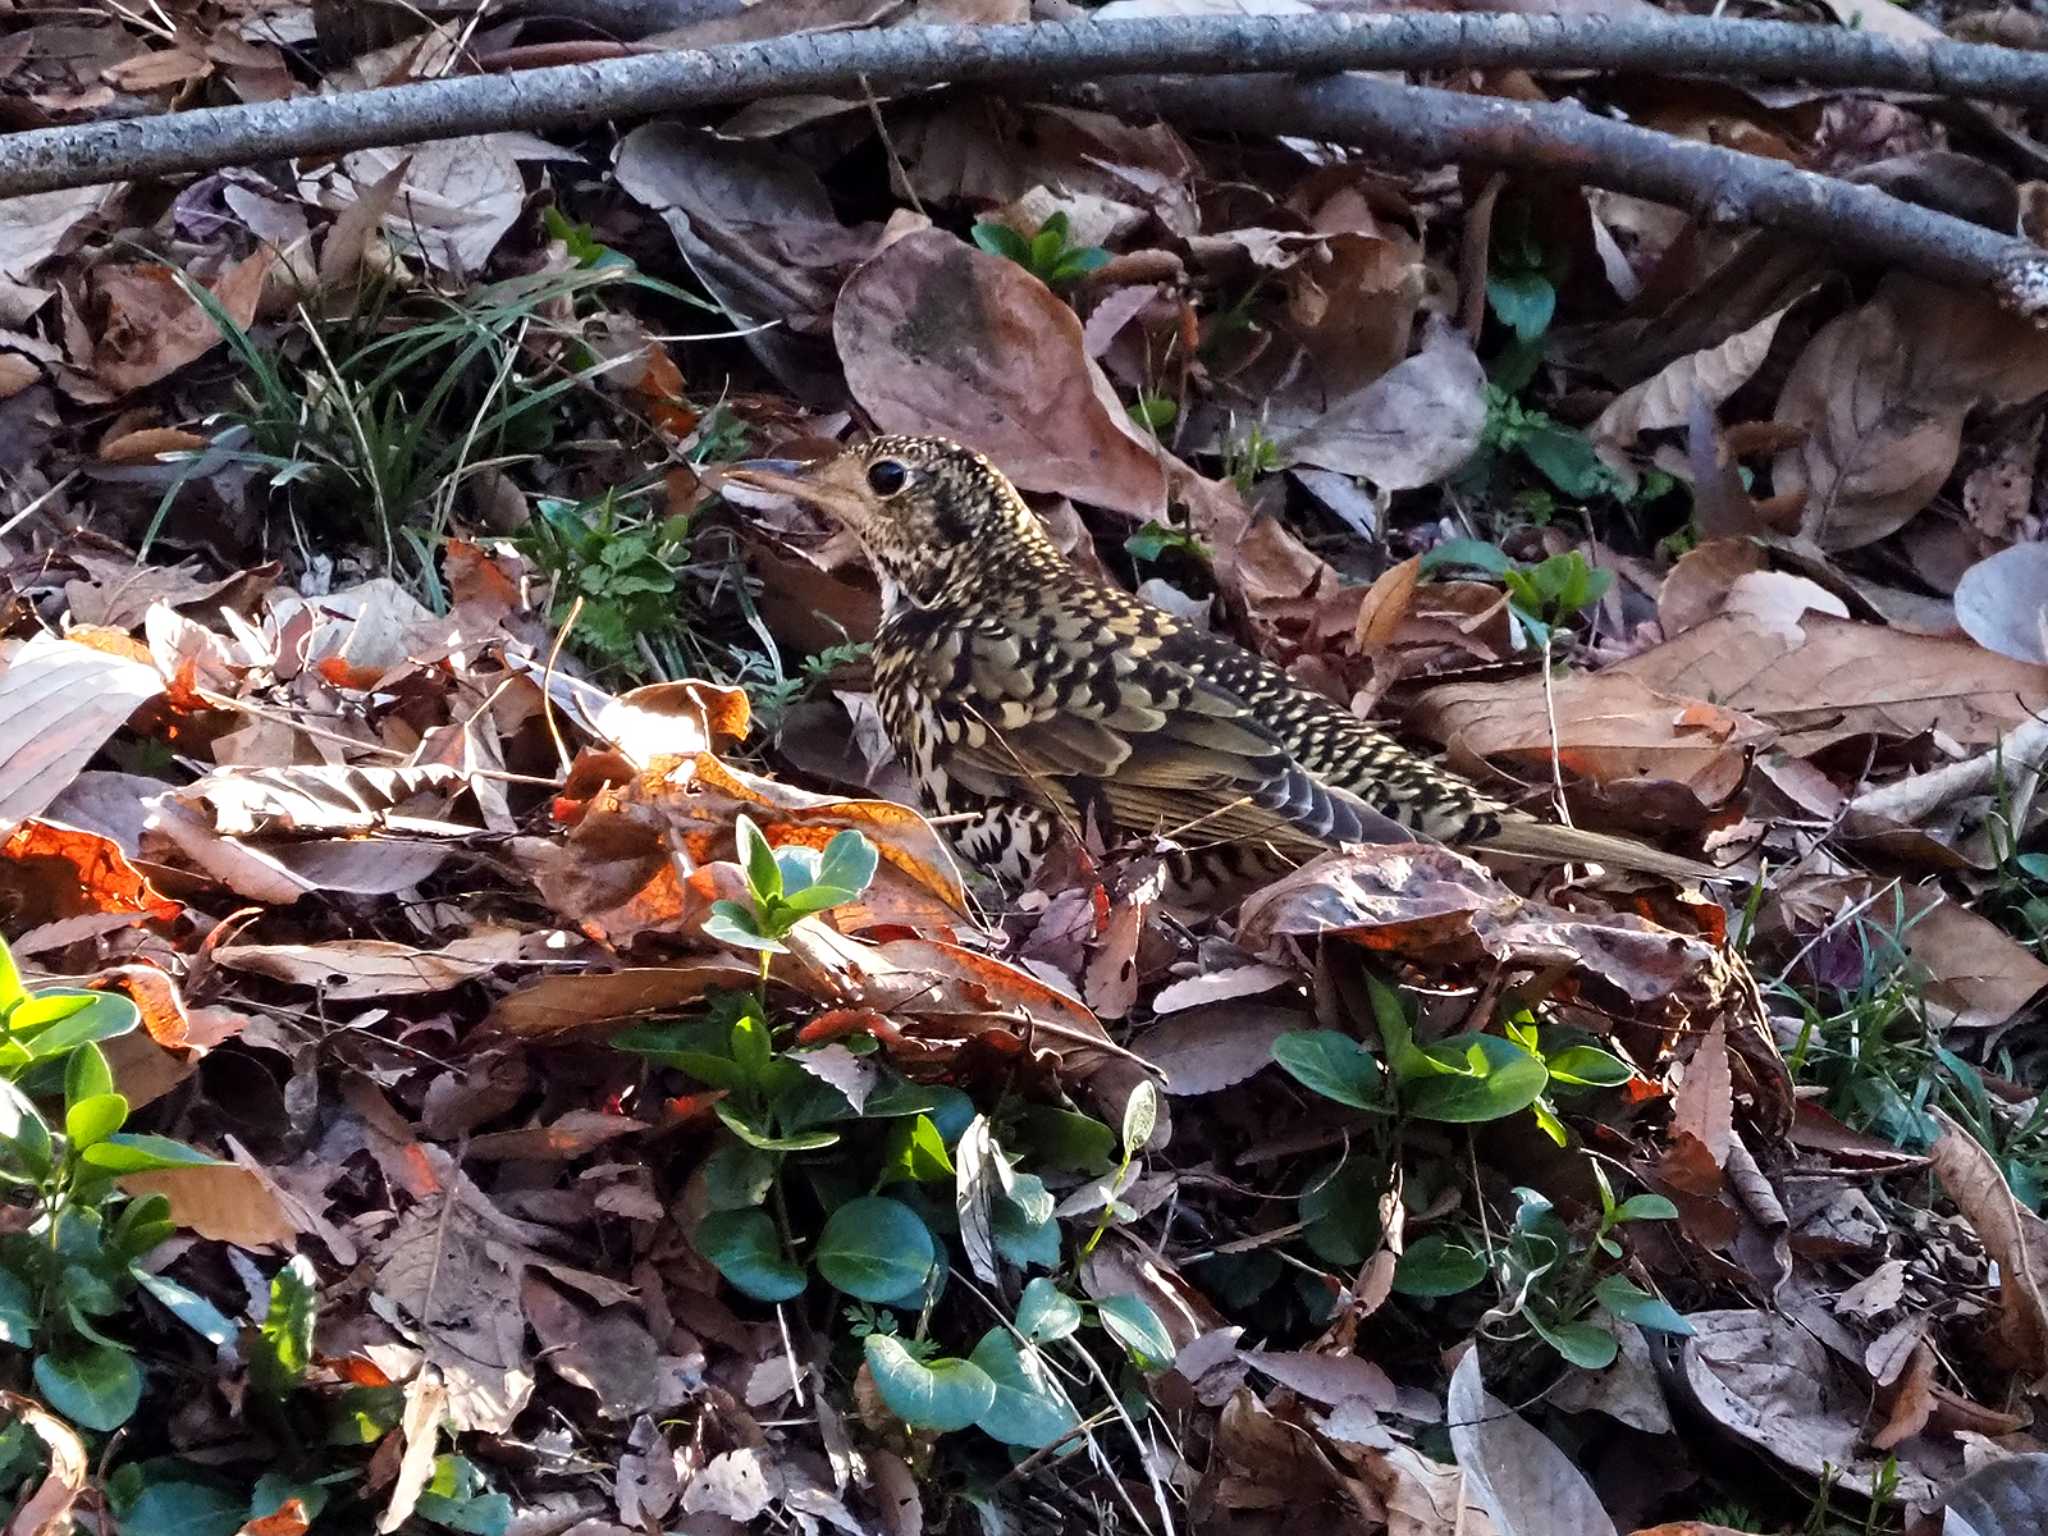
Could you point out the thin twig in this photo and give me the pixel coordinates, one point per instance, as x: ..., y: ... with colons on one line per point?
x: 1413, y: 126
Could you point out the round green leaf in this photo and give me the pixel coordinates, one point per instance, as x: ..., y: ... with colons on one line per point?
x: 182, y: 1506
x: 95, y: 1119
x: 93, y: 1385
x: 1136, y: 1326
x: 875, y: 1249
x: 54, y: 1024
x: 1029, y: 1408
x: 86, y: 1074
x: 1046, y: 1314
x: 849, y: 862
x: 123, y: 1153
x: 1636, y: 1305
x: 1587, y: 1066
x: 1478, y: 1077
x: 1436, y: 1266
x: 1646, y: 1208
x: 1583, y: 1344
x: 746, y: 1249
x: 944, y: 1395
x: 1333, y: 1065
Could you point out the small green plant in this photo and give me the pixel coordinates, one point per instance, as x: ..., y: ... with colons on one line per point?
x: 1251, y: 456
x: 788, y: 886
x: 1048, y: 255
x: 376, y: 417
x: 1157, y: 540
x: 1155, y: 413
x: 72, y: 1260
x: 910, y: 1168
x: 1462, y: 1080
x: 1543, y: 595
x: 624, y: 571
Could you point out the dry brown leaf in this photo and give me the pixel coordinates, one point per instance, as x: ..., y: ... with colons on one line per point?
x: 1705, y: 1103
x: 419, y: 1426
x: 561, y: 1004
x: 451, y: 1266
x: 1977, y: 976
x: 1608, y: 726
x: 60, y: 702
x: 608, y: 1352
x: 937, y: 336
x: 1412, y: 426
x: 1668, y: 398
x: 1206, y: 1049
x: 32, y: 227
x: 154, y: 327
x: 46, y: 1509
x: 1434, y: 905
x: 1422, y: 1496
x: 1219, y: 986
x: 1771, y: 1382
x: 1882, y: 392
x: 2012, y: 1235
x: 1822, y: 680
x: 1516, y: 1473
x: 224, y: 1202
x: 351, y: 969
x: 1327, y: 1379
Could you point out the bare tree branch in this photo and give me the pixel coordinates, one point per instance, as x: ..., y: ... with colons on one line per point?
x: 911, y: 57
x: 1416, y: 126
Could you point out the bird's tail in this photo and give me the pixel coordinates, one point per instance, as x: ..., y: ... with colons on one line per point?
x: 1547, y: 840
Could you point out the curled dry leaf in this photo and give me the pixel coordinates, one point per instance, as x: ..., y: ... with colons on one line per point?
x: 2012, y: 1235
x: 52, y: 872
x: 1428, y: 903
x: 46, y: 1509
x: 244, y: 801
x: 652, y: 854
x: 60, y: 702
x: 1882, y: 392
x: 937, y: 336
x: 1667, y: 398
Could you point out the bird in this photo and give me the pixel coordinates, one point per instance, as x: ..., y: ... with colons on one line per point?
x: 1028, y: 698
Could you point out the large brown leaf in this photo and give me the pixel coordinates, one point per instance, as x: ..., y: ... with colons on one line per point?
x: 1882, y: 392
x: 939, y: 337
x: 1821, y: 679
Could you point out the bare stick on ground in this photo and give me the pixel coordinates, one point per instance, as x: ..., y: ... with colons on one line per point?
x: 913, y: 57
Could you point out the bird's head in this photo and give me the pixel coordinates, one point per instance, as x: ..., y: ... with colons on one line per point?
x: 929, y: 512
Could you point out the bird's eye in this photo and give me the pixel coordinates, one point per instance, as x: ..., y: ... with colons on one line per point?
x: 887, y: 476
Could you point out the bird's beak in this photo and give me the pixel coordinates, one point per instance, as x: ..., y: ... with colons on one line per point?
x: 834, y: 486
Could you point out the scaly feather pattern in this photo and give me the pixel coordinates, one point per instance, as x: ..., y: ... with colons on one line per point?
x: 1026, y: 696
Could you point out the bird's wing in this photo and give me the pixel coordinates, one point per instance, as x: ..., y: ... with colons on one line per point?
x: 1163, y: 749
